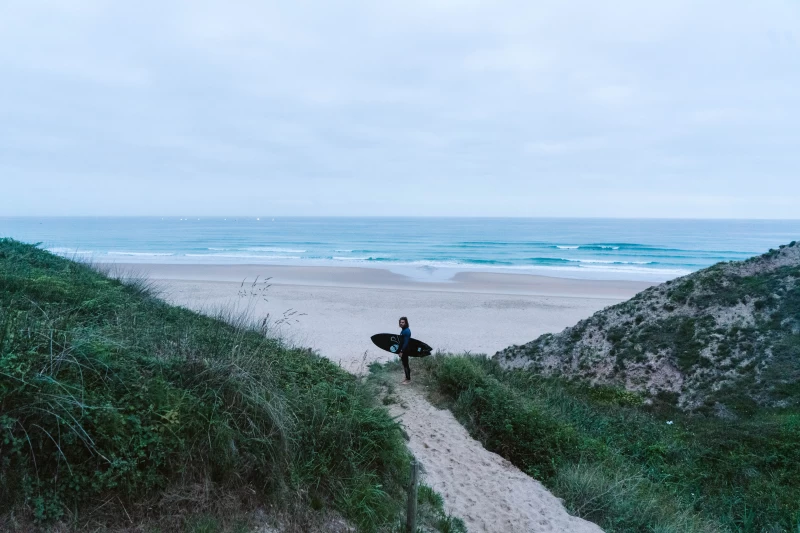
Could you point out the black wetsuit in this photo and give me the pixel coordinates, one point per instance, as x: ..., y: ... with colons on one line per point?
x: 406, y: 333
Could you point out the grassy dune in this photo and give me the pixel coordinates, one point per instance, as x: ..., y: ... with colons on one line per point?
x: 118, y: 409
x: 623, y: 465
x: 721, y: 341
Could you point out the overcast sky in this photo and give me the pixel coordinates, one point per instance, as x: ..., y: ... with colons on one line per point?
x: 663, y: 108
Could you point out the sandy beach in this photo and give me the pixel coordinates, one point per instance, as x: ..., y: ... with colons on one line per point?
x: 337, y: 309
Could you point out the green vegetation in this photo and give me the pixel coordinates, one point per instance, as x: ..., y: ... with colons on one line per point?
x: 623, y: 464
x: 430, y: 510
x: 117, y: 406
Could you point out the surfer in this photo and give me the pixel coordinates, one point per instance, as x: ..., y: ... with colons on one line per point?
x: 406, y: 333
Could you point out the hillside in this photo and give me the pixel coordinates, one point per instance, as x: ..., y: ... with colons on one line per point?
x: 723, y: 340
x: 121, y: 412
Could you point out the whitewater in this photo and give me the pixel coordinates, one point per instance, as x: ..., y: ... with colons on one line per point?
x: 422, y: 248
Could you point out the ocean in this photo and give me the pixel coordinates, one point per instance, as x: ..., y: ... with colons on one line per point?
x: 423, y: 248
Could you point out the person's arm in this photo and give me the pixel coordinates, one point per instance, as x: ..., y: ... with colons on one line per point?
x: 406, y: 338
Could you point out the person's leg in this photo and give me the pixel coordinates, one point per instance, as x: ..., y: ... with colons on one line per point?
x: 406, y: 368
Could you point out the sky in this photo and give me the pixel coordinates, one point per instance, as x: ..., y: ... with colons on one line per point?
x: 664, y: 108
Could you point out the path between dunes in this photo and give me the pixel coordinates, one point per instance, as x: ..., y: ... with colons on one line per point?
x: 486, y: 491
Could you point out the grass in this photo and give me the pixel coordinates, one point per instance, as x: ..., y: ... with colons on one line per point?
x: 431, y: 510
x: 115, y: 406
x: 628, y: 466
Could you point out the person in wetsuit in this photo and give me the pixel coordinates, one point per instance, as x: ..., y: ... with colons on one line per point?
x: 406, y: 333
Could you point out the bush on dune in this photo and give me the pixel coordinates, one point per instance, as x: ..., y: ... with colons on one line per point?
x: 519, y: 430
x: 109, y: 397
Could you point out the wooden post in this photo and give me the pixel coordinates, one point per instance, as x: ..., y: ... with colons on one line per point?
x: 411, y: 517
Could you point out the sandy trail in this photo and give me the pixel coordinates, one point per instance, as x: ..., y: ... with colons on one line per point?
x: 486, y: 491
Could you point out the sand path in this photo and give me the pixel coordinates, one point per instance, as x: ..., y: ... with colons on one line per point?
x: 486, y: 491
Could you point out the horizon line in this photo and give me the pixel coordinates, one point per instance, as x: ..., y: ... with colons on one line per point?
x: 388, y: 217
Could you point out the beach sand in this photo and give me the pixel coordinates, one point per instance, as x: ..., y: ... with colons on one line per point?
x: 338, y: 309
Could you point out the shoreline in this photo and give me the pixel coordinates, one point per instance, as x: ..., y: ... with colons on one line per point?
x: 423, y: 271
x: 474, y: 282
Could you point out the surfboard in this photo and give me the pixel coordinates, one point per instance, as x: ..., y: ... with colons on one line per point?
x: 391, y: 343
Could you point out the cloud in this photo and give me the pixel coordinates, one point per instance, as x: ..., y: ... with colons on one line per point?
x: 478, y: 107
